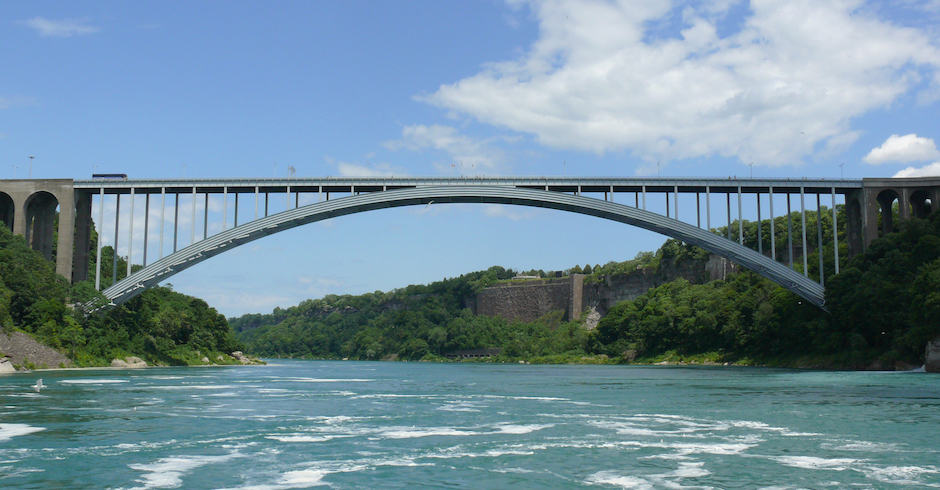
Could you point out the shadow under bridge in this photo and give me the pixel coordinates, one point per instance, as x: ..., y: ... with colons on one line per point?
x: 185, y: 258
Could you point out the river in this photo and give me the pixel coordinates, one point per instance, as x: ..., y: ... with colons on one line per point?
x: 365, y: 425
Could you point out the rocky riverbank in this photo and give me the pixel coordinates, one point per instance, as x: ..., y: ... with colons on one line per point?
x: 25, y: 352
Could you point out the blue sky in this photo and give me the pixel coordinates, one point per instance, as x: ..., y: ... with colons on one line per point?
x: 531, y: 88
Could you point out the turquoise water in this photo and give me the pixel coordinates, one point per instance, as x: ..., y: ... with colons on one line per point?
x: 359, y: 425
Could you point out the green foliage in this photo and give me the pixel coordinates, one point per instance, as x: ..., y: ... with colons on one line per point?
x: 160, y: 326
x: 885, y: 307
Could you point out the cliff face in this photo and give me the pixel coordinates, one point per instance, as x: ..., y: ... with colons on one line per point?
x: 603, y: 295
x: 529, y: 300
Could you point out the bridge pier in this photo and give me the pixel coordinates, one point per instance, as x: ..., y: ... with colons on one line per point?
x: 915, y: 197
x: 30, y: 207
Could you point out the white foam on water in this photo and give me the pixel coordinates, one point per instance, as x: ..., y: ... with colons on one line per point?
x: 611, y: 478
x: 91, y: 381
x: 9, y: 431
x: 411, y: 433
x: 301, y: 478
x: 688, y: 470
x: 301, y: 438
x: 520, y: 429
x: 902, y: 475
x: 864, y: 446
x: 521, y: 471
x: 330, y: 380
x: 495, y: 453
x: 273, y: 390
x: 458, y: 407
x: 169, y: 472
x: 164, y: 377
x: 195, y: 387
x: 814, y: 463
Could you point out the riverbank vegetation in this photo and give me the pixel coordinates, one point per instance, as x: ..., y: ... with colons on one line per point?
x: 883, y: 308
x: 160, y: 326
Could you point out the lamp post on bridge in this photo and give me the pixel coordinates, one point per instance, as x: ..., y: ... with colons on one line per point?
x: 31, y: 166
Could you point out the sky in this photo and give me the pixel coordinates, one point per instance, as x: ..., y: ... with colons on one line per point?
x: 816, y: 88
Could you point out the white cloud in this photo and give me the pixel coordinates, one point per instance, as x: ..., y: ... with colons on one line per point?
x: 60, y: 28
x: 468, y: 156
x: 16, y: 101
x: 932, y: 170
x: 903, y: 149
x: 611, y: 76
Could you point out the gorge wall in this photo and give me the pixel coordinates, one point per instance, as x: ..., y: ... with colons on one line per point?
x: 529, y: 300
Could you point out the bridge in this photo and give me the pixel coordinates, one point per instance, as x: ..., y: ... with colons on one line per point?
x: 683, y: 210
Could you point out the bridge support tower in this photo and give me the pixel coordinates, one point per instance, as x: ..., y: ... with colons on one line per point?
x: 28, y: 208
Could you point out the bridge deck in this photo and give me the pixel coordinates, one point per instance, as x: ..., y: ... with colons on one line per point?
x: 559, y: 184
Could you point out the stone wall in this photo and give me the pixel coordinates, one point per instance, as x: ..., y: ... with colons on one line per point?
x: 527, y: 301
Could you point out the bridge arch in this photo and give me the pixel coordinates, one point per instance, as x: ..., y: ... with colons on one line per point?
x: 183, y: 259
x: 40, y: 221
x: 7, y: 210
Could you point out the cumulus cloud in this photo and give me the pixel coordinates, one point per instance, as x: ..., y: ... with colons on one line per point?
x: 932, y: 170
x: 781, y: 83
x: 60, y: 28
x: 903, y: 149
x: 467, y: 155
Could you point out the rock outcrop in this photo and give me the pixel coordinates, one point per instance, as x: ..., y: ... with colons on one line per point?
x: 6, y: 366
x: 129, y: 362
x: 932, y: 356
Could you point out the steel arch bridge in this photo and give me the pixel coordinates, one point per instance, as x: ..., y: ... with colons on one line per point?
x: 197, y: 252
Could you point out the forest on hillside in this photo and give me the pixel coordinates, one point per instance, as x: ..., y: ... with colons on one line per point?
x: 883, y: 307
x: 160, y: 326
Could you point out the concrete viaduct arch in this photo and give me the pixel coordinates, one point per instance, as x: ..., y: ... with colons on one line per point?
x: 916, y: 197
x: 28, y: 208
x: 227, y: 240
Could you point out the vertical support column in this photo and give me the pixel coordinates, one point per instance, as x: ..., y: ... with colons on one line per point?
x: 192, y: 235
x: 819, y: 247
x: 146, y: 224
x: 205, y: 218
x: 236, y: 210
x: 675, y: 200
x: 117, y: 220
x: 835, y: 230
x: 98, y: 246
x: 773, y: 232
x: 296, y: 199
x: 82, y: 236
x: 162, y: 219
x: 666, y: 194
x: 288, y: 197
x: 176, y: 220
x: 760, y: 236
x: 698, y: 210
x: 130, y: 235
x: 644, y: 198
x: 789, y: 230
x: 65, y: 245
x: 803, y: 218
x: 224, y: 207
x: 740, y: 220
x: 708, y: 207
x: 256, y: 202
x: 728, y: 195
x: 266, y: 194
